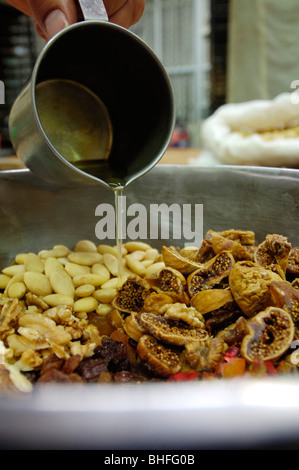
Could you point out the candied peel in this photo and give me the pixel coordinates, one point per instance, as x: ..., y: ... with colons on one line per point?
x: 228, y: 307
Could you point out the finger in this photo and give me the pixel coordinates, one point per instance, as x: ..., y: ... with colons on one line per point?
x: 125, y: 12
x: 51, y: 16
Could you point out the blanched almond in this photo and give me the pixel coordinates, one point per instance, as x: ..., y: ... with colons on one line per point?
x: 89, y: 278
x: 86, y: 304
x: 37, y: 283
x: 17, y: 290
x: 74, y: 269
x: 105, y: 296
x: 136, y: 245
x: 61, y: 282
x: 111, y: 263
x: 52, y: 264
x: 154, y: 268
x: 86, y: 290
x: 54, y: 300
x: 85, y: 258
x: 4, y: 280
x: 136, y: 266
x: 104, y: 249
x: 14, y: 269
x: 86, y: 245
x: 101, y: 270
x: 32, y: 262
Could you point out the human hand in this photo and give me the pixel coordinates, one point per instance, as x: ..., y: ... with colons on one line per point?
x: 51, y: 16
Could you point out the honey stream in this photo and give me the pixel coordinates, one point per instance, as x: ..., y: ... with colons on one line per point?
x: 118, y: 204
x: 77, y: 124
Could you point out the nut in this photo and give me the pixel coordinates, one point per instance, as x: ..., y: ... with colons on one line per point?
x: 89, y: 278
x: 86, y: 304
x: 111, y: 263
x: 135, y: 265
x: 85, y: 245
x: 53, y: 300
x: 37, y: 283
x: 33, y: 263
x: 74, y: 269
x: 85, y: 258
x: 62, y: 282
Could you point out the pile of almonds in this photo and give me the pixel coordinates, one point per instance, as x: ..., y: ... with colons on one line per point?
x: 59, y: 301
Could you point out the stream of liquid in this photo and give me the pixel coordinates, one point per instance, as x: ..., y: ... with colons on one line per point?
x: 118, y: 193
x: 78, y: 125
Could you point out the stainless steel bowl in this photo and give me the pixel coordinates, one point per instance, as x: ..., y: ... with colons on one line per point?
x: 232, y: 414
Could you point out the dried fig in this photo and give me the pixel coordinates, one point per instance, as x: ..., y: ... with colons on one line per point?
x: 293, y: 261
x: 285, y: 296
x: 161, y: 359
x: 211, y: 274
x: 220, y: 244
x: 271, y: 333
x: 244, y: 237
x: 171, y: 282
x: 131, y: 295
x: 211, y: 299
x: 174, y: 259
x: 170, y: 331
x: 250, y: 286
x: 273, y: 253
x: 132, y: 326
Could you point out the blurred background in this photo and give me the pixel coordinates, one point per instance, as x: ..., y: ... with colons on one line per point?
x: 215, y: 52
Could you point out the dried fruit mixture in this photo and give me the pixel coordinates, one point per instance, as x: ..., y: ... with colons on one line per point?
x: 228, y: 308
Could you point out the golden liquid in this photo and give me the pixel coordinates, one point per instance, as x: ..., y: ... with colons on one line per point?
x: 77, y: 124
x: 118, y: 193
x: 75, y: 121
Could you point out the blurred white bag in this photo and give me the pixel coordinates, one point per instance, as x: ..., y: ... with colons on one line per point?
x: 258, y: 132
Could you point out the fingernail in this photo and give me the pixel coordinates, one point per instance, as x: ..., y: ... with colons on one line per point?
x: 55, y: 22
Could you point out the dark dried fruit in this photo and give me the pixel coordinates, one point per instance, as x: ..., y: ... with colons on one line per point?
x: 133, y: 326
x: 171, y: 331
x: 224, y: 316
x: 109, y: 356
x: 211, y: 274
x: 273, y: 253
x: 171, y: 282
x: 205, y: 355
x: 162, y: 360
x: 125, y: 376
x: 293, y: 261
x: 287, y: 297
x: 130, y: 296
x: 234, y: 333
x: 271, y: 333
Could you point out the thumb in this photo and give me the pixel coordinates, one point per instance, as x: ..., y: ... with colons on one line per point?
x: 51, y: 16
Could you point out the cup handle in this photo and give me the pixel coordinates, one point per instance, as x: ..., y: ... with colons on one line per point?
x: 93, y: 10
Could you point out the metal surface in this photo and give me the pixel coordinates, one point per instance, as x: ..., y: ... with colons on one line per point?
x: 245, y: 413
x: 126, y: 75
x: 93, y: 10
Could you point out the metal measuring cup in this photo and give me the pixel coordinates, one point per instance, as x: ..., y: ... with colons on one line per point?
x: 136, y: 103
